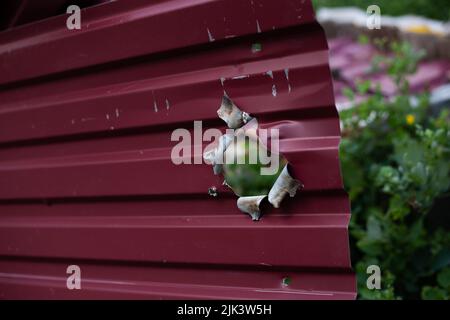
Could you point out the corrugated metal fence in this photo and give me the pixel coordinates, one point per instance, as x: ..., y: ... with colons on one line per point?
x: 85, y: 171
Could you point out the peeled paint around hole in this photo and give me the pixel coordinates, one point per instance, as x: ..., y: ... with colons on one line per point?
x: 284, y: 185
x: 250, y: 205
x: 231, y: 114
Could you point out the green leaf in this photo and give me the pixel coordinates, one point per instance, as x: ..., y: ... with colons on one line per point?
x: 443, y: 278
x: 374, y: 231
x: 363, y: 86
x: 348, y: 93
x: 363, y: 39
x: 433, y: 293
x: 441, y: 260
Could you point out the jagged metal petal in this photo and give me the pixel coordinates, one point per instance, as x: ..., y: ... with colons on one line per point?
x: 231, y: 114
x: 250, y: 205
x: 284, y: 185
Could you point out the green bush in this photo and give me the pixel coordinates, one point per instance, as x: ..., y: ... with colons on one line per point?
x: 395, y: 162
x: 436, y: 9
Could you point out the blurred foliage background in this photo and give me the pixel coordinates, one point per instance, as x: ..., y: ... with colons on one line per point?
x: 435, y: 9
x: 395, y: 158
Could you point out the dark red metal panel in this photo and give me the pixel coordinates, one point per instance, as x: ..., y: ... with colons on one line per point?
x: 85, y: 172
x: 18, y: 12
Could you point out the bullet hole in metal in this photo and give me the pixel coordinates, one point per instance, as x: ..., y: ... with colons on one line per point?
x: 286, y: 281
x: 251, y: 168
x: 212, y: 191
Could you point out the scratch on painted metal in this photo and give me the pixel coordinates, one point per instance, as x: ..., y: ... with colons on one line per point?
x: 241, y: 77
x: 222, y: 81
x: 87, y: 119
x: 258, y: 28
x: 155, y: 105
x: 210, y: 37
x: 286, y: 73
x: 318, y: 293
x: 167, y: 104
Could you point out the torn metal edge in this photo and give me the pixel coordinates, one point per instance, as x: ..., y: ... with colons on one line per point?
x: 231, y: 114
x: 250, y: 205
x: 284, y: 185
